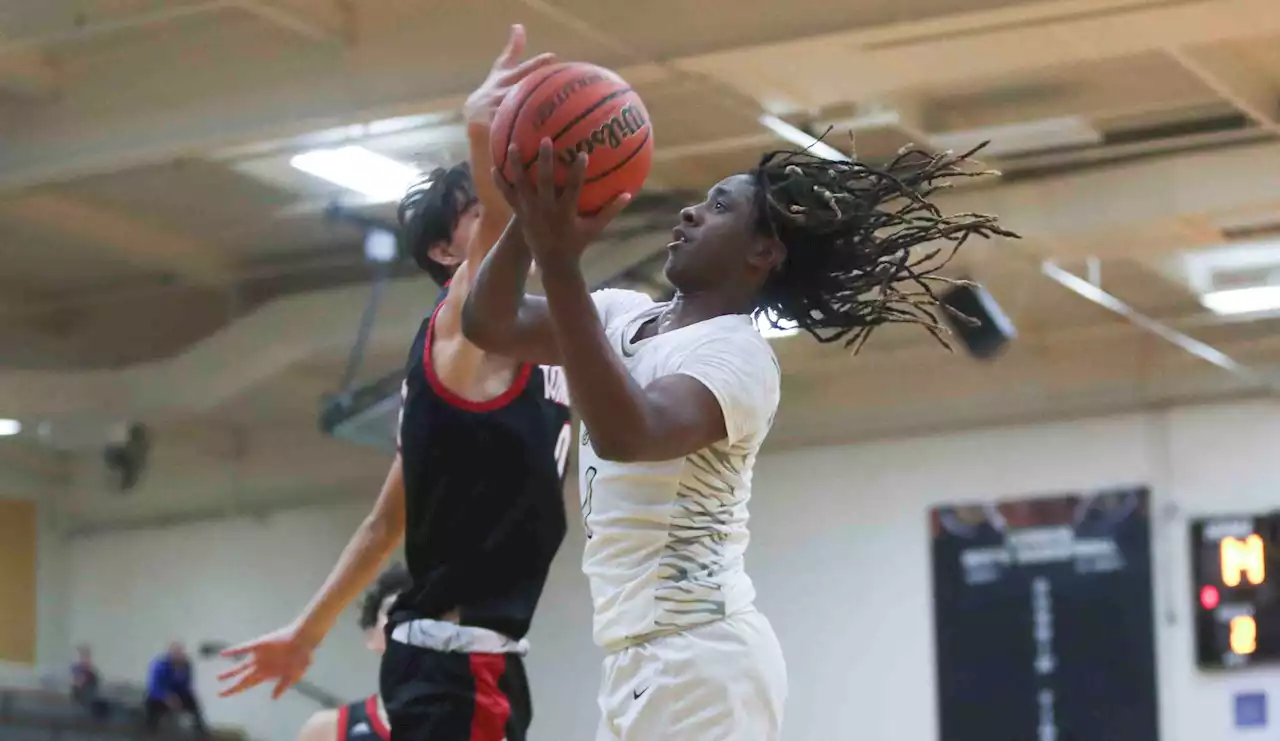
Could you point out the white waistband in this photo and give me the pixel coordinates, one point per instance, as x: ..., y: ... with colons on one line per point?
x: 439, y: 635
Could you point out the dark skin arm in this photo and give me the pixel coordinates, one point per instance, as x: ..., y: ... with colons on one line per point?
x: 498, y: 316
x: 670, y: 417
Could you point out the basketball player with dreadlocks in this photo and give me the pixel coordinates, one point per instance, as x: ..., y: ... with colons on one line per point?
x: 676, y: 398
x: 365, y: 720
x: 476, y: 491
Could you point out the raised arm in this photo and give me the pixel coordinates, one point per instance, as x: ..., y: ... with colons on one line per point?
x: 480, y: 108
x: 499, y: 316
x: 670, y: 417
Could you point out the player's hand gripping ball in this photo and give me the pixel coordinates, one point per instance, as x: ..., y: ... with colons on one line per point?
x: 581, y: 108
x: 554, y: 227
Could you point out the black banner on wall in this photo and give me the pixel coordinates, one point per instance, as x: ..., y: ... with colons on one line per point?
x: 1044, y: 624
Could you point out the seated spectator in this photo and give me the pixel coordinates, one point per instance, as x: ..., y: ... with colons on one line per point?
x: 85, y: 683
x: 169, y: 690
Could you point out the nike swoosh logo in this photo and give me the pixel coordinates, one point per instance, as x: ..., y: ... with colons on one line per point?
x: 637, y: 693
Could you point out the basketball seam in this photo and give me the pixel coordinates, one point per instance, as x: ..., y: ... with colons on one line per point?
x: 515, y: 117
x: 578, y: 119
x: 594, y: 106
x: 594, y: 178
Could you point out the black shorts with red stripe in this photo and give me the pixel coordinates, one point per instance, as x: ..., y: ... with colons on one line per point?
x: 434, y: 695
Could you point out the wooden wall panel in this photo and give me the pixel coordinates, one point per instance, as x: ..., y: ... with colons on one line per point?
x: 18, y: 582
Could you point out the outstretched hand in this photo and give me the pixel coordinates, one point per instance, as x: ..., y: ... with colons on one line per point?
x: 548, y: 216
x: 507, y: 72
x: 281, y: 657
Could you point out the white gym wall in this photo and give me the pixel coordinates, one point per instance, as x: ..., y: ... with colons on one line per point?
x: 839, y: 555
x: 223, y: 580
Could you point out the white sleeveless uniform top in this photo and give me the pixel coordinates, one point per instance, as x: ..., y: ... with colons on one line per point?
x: 666, y: 541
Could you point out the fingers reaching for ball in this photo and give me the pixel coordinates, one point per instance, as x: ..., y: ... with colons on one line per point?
x: 549, y: 214
x: 514, y: 48
x: 514, y: 76
x: 541, y: 189
x: 583, y: 108
x: 546, y: 178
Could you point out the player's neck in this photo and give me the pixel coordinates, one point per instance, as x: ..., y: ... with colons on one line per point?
x: 691, y: 308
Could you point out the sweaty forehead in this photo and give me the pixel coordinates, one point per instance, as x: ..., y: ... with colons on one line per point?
x: 739, y: 188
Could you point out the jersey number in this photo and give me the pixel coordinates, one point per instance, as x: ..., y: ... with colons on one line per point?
x: 562, y: 448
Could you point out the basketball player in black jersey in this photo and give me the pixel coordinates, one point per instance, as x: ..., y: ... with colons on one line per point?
x: 475, y: 491
x: 364, y: 720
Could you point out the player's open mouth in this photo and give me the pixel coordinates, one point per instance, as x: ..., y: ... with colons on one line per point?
x: 678, y: 238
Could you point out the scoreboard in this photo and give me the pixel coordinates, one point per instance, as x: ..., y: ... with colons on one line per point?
x: 1235, y: 576
x: 1044, y: 624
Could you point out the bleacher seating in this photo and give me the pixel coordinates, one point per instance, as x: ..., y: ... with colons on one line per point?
x: 47, y: 715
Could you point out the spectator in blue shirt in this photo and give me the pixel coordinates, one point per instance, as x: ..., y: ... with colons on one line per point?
x: 169, y: 689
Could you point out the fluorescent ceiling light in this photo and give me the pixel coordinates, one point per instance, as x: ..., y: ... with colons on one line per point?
x: 381, y: 179
x: 785, y: 328
x: 1242, y: 300
x: 9, y: 427
x: 802, y: 139
x: 1021, y: 138
x: 1246, y: 256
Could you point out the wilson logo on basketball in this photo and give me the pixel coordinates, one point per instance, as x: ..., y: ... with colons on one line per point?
x: 547, y: 108
x: 623, y: 125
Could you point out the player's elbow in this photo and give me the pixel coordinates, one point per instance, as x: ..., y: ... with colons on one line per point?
x: 379, y: 532
x: 615, y: 452
x: 383, y: 528
x: 623, y: 446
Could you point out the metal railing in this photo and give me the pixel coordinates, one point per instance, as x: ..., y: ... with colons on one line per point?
x: 47, y: 715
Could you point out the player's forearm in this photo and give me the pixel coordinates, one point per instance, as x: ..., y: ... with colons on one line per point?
x: 613, y: 406
x: 494, y: 211
x: 491, y: 312
x: 480, y: 155
x: 369, y: 548
x: 359, y: 564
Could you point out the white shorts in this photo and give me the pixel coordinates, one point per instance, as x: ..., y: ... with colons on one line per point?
x: 723, y: 681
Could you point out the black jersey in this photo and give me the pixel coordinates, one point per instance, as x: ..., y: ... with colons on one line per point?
x: 360, y: 721
x: 484, y: 499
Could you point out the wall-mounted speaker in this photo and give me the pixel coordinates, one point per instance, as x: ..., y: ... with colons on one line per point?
x: 990, y: 332
x: 126, y: 456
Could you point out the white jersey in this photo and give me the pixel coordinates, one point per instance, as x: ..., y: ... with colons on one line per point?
x: 666, y: 541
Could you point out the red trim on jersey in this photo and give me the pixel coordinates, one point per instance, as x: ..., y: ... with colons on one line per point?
x: 489, y: 722
x: 452, y: 399
x: 375, y: 719
x: 344, y: 715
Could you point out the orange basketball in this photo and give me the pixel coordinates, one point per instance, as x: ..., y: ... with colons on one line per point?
x: 581, y: 108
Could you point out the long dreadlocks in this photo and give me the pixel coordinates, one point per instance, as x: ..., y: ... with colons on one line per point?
x: 852, y: 231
